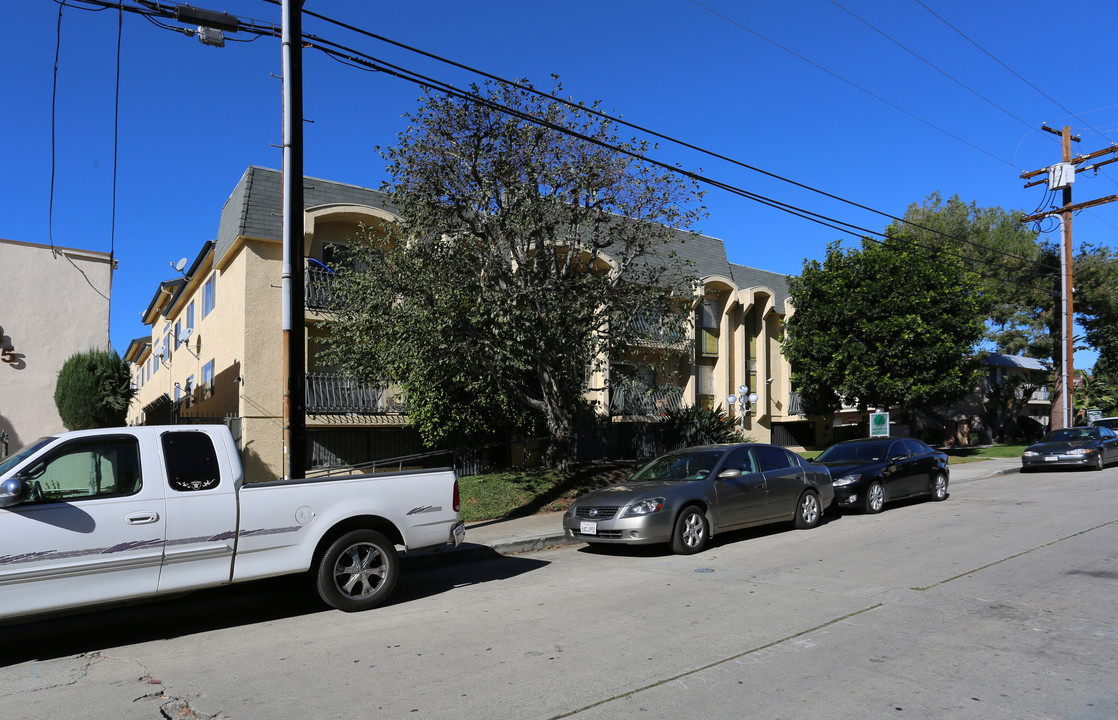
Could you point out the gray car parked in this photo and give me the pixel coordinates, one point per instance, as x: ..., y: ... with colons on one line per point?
x: 685, y: 497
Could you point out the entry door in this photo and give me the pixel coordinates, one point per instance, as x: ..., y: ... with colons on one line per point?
x: 784, y: 478
x: 92, y: 532
x: 741, y: 500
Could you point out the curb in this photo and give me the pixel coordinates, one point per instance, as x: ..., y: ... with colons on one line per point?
x: 474, y: 552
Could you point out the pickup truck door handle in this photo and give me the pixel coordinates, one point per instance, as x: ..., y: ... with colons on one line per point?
x: 145, y: 517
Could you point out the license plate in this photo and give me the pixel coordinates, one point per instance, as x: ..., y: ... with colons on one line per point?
x: 1050, y: 458
x: 459, y: 534
x: 588, y: 528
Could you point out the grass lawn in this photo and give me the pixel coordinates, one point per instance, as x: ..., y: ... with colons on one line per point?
x: 519, y: 492
x: 964, y: 455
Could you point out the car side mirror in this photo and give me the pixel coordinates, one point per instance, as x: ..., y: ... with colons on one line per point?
x: 729, y: 474
x: 13, y: 491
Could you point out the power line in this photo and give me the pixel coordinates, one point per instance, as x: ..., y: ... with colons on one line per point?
x: 1015, y: 73
x: 826, y: 221
x: 929, y: 63
x: 853, y: 84
x: 643, y: 129
x: 357, y: 58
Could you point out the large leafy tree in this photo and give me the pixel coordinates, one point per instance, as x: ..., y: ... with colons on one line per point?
x: 93, y: 390
x: 1017, y: 272
x: 524, y: 255
x: 884, y: 325
x: 1095, y: 276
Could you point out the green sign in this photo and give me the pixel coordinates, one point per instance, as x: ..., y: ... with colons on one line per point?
x: 879, y: 424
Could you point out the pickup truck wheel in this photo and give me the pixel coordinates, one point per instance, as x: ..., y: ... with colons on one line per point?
x: 358, y: 571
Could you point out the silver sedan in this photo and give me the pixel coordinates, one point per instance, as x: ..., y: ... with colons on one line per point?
x: 685, y: 497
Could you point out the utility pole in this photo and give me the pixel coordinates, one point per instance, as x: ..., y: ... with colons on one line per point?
x: 1061, y: 177
x: 294, y: 330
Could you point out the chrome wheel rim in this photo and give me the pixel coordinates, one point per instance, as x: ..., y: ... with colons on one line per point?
x: 809, y: 509
x: 941, y: 487
x: 877, y: 497
x: 693, y: 530
x: 360, y: 570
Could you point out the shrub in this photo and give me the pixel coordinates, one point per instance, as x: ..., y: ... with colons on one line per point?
x: 93, y: 390
x: 699, y: 426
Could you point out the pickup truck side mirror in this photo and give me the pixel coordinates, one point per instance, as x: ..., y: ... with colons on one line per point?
x: 13, y: 491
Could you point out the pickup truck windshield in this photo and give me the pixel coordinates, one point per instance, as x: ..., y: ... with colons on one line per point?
x: 17, y: 457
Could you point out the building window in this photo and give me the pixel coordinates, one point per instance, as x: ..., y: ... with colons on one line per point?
x: 208, y: 377
x: 190, y: 316
x: 706, y: 330
x: 178, y: 392
x: 752, y: 330
x: 704, y: 386
x: 178, y: 332
x: 209, y: 294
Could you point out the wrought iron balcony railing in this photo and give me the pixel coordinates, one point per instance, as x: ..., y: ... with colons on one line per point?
x: 654, y: 329
x: 632, y: 399
x: 336, y: 394
x: 318, y: 283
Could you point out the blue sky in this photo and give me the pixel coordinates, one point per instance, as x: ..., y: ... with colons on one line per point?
x: 801, y: 89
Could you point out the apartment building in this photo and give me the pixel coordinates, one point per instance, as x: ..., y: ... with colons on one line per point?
x: 215, y: 347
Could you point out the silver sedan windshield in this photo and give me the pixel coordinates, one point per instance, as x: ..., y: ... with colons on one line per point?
x: 680, y: 466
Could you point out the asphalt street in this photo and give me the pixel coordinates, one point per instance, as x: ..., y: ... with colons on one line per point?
x: 997, y: 603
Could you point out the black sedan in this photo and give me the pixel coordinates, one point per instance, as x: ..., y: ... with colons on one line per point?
x: 685, y: 497
x: 870, y: 472
x: 1093, y: 447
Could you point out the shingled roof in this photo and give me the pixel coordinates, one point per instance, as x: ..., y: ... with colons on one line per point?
x: 255, y: 210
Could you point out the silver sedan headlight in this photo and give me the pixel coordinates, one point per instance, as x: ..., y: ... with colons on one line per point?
x: 846, y: 480
x: 1030, y: 453
x: 643, y: 507
x: 1080, y: 451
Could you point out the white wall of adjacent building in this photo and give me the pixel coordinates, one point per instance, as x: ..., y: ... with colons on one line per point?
x: 54, y: 302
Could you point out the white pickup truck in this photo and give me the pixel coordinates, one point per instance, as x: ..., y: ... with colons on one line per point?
x: 100, y: 516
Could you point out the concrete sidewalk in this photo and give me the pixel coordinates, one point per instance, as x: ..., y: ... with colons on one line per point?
x: 490, y: 538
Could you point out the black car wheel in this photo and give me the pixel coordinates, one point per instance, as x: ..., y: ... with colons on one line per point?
x: 691, y: 532
x: 939, y: 487
x: 875, y: 497
x: 808, y: 512
x: 1099, y: 464
x: 358, y: 571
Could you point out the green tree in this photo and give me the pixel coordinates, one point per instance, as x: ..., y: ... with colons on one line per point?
x: 1095, y: 275
x: 524, y: 256
x: 93, y: 390
x: 1092, y: 392
x: 883, y: 326
x: 1009, y: 265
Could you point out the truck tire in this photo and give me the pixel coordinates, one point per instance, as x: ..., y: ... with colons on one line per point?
x: 358, y: 571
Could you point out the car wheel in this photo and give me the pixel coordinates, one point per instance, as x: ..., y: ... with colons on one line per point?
x: 808, y: 512
x: 875, y: 497
x: 691, y: 532
x: 358, y: 571
x: 1099, y: 464
x: 939, y: 487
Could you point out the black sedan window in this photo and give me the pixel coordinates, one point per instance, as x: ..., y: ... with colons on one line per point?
x: 865, y: 451
x: 1071, y: 434
x: 915, y: 448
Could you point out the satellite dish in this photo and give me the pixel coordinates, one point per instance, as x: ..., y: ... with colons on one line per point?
x: 180, y: 265
x: 185, y: 334
x: 160, y: 351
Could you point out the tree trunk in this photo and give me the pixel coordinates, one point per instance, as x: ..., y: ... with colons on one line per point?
x: 561, y: 449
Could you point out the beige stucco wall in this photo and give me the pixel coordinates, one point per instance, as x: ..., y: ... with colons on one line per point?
x: 53, y: 303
